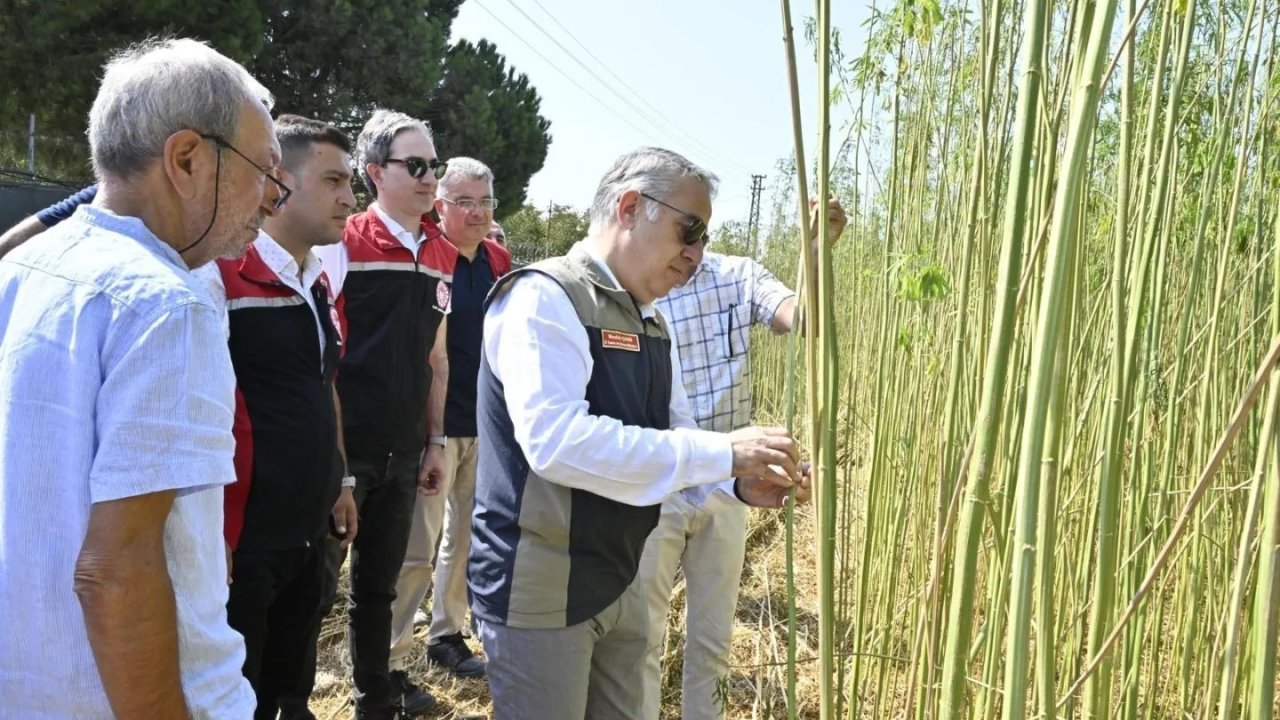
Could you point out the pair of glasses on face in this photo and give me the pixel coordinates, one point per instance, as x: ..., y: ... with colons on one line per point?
x: 469, y: 204
x: 695, y: 232
x: 285, y: 190
x: 417, y: 167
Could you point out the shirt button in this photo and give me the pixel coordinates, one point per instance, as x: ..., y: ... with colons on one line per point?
x: 308, y: 543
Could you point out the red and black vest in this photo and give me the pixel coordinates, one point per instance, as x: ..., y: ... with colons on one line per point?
x: 392, y: 302
x: 288, y: 470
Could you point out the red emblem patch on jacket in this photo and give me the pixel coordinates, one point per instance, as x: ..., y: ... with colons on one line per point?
x: 442, y: 296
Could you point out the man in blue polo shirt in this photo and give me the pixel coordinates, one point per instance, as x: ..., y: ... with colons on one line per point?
x: 45, y: 219
x: 465, y: 204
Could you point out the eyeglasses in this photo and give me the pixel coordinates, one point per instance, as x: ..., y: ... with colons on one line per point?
x: 417, y: 167
x: 469, y: 204
x: 695, y: 232
x: 285, y: 190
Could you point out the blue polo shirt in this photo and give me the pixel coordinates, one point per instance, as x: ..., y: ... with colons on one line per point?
x: 472, y: 280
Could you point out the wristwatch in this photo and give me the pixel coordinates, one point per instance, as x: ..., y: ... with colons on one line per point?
x: 437, y: 440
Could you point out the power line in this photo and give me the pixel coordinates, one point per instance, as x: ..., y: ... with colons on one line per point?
x: 673, y: 124
x: 701, y: 150
x: 555, y: 67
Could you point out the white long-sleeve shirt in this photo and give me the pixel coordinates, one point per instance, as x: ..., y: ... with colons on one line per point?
x: 537, y: 348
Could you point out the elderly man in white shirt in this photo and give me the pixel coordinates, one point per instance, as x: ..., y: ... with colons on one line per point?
x: 115, y: 433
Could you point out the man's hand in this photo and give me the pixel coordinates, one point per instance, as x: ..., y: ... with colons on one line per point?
x: 768, y: 494
x: 345, y: 518
x: 836, y: 220
x: 766, y: 453
x: 431, y: 479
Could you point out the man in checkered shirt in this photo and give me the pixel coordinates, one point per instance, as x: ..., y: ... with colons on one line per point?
x: 710, y: 317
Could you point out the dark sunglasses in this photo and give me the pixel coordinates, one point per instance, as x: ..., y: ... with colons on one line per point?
x: 695, y: 232
x: 285, y: 190
x: 417, y: 167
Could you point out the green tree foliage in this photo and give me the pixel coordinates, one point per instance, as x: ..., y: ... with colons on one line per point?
x: 331, y: 59
x: 534, y: 234
x: 339, y: 59
x: 485, y: 110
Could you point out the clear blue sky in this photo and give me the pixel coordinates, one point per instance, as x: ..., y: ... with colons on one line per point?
x: 710, y: 76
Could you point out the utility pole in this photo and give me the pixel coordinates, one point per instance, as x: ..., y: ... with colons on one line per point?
x: 753, y: 221
x: 546, y: 242
x: 31, y: 145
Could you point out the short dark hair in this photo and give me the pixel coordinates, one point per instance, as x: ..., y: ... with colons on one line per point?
x: 297, y: 134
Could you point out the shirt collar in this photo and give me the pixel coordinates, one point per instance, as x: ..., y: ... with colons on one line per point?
x: 647, y: 310
x: 710, y: 263
x: 131, y: 227
x: 397, y: 230
x: 281, y: 261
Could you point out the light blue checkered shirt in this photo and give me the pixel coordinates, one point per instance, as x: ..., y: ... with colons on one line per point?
x: 115, y: 381
x: 710, y: 318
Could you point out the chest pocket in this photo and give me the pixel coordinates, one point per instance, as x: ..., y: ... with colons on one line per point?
x: 735, y: 328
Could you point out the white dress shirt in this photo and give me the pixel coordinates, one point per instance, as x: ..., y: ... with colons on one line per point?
x: 537, y: 348
x: 280, y: 262
x: 337, y: 262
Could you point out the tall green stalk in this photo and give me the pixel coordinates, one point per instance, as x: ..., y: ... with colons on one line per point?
x: 987, y: 426
x: 804, y: 275
x: 1266, y: 599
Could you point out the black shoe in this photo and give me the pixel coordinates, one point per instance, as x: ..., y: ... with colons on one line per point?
x: 416, y: 701
x: 451, y: 653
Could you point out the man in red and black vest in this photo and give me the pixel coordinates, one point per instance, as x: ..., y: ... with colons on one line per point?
x: 392, y: 273
x: 283, y: 332
x: 465, y: 204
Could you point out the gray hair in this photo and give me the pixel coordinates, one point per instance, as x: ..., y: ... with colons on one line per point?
x: 650, y: 170
x: 374, y: 144
x: 462, y: 169
x: 157, y: 87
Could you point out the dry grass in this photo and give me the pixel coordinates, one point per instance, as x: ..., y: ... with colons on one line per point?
x: 756, y: 687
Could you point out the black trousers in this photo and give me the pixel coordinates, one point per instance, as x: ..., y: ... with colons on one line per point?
x: 294, y: 705
x: 274, y: 602
x: 386, y: 490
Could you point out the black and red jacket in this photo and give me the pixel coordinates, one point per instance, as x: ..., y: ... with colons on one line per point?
x: 288, y: 470
x: 392, y: 303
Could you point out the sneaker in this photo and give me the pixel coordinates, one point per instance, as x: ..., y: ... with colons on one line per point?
x: 451, y: 653
x: 421, y: 618
x: 416, y: 701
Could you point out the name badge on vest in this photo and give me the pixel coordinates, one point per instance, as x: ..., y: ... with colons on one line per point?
x: 620, y: 340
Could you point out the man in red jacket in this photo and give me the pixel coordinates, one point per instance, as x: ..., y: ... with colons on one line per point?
x: 284, y: 342
x: 392, y: 273
x: 465, y: 204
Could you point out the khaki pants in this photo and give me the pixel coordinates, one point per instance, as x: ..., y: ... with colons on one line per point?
x: 709, y: 545
x: 444, y: 522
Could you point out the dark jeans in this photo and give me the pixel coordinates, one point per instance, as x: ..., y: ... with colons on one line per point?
x: 294, y: 704
x: 385, y: 493
x: 274, y: 603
